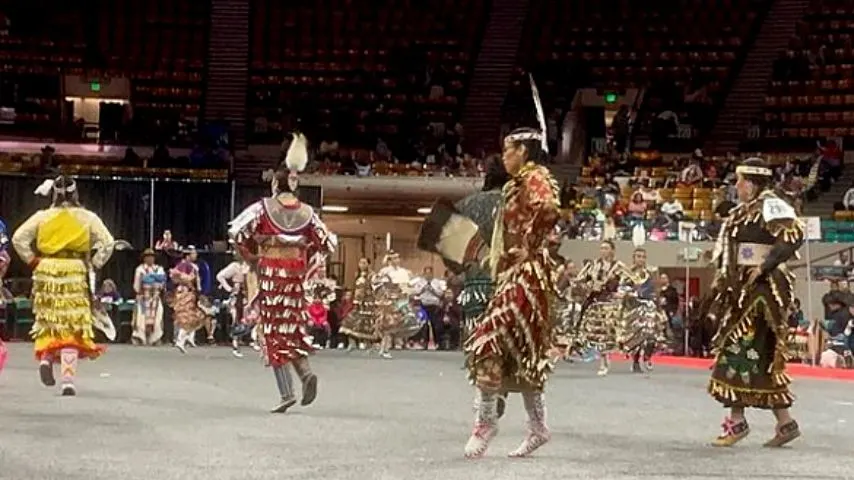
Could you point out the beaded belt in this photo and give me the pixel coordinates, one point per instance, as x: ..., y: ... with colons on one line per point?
x: 753, y: 254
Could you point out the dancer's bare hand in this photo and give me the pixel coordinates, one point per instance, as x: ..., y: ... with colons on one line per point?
x: 753, y: 275
x: 518, y: 254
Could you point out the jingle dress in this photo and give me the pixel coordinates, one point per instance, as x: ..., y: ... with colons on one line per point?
x: 149, y: 282
x: 63, y: 238
x: 360, y: 322
x: 394, y: 317
x: 509, y: 347
x: 185, y: 303
x: 601, y: 310
x: 643, y: 323
x: 751, y: 345
x: 273, y: 230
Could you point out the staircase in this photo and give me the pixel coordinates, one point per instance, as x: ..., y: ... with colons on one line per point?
x: 823, y: 205
x: 492, y: 73
x: 228, y: 67
x: 747, y: 95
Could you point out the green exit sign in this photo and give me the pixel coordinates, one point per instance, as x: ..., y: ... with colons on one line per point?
x: 95, y: 86
x: 610, y: 97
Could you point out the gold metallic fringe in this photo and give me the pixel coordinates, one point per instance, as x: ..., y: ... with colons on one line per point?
x: 61, y: 298
x: 750, y: 397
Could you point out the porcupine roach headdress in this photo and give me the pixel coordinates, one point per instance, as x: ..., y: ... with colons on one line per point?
x: 296, y: 160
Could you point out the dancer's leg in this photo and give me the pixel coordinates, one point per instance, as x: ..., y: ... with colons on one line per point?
x: 786, y: 430
x: 648, y: 350
x: 604, y: 364
x: 385, y: 346
x: 46, y: 370
x: 735, y: 428
x: 235, y: 347
x: 485, y: 423
x: 181, y: 340
x: 286, y: 389
x: 488, y: 380
x: 636, y: 366
x: 538, y: 431
x: 308, y: 379
x: 68, y: 359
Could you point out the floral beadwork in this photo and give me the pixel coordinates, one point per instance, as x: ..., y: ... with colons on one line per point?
x: 741, y: 359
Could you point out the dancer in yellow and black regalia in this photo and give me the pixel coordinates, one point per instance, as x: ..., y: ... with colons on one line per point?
x: 58, y: 243
x: 754, y: 290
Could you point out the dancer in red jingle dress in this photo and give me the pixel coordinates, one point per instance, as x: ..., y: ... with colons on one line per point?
x: 291, y: 244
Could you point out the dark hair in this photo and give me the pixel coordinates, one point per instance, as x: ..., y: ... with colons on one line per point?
x: 496, y: 174
x: 640, y: 249
x: 281, y: 178
x: 533, y: 146
x: 610, y: 244
x: 61, y: 195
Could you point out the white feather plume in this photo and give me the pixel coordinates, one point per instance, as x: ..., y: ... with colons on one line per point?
x: 45, y: 188
x: 541, y: 116
x: 297, y: 156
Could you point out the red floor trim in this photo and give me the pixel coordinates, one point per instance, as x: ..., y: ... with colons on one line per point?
x: 793, y: 369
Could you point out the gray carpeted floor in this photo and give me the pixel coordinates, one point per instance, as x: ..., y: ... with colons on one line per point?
x: 152, y: 414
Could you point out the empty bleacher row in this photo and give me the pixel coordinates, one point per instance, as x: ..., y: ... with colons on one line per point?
x: 684, y: 51
x: 811, y: 95
x: 159, y: 45
x: 377, y: 69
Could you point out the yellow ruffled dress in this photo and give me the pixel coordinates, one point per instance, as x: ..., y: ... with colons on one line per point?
x: 63, y: 238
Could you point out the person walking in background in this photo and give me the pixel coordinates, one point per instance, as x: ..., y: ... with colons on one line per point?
x: 241, y: 283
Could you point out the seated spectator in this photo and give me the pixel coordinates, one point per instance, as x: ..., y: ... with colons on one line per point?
x: 848, y: 198
x: 797, y: 319
x: 109, y: 293
x: 637, y: 207
x: 167, y: 242
x: 831, y: 158
x: 649, y: 195
x: 692, y: 174
x: 673, y: 209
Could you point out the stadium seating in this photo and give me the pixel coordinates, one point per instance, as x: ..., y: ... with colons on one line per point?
x: 359, y: 66
x: 617, y: 44
x: 812, y: 94
x: 32, y: 54
x: 162, y: 46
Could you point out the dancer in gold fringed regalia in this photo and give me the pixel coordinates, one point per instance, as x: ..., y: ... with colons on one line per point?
x: 58, y: 243
x: 754, y: 290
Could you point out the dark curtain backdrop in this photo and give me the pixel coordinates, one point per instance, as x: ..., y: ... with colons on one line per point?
x: 123, y: 206
x: 197, y: 213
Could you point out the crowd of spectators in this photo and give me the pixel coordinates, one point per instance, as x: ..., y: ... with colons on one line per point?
x: 617, y: 197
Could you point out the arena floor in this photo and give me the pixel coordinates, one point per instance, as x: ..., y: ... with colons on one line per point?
x: 151, y: 414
